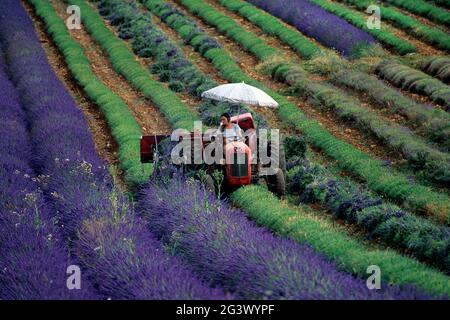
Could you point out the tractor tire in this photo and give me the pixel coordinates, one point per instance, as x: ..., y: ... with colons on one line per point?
x: 277, y: 183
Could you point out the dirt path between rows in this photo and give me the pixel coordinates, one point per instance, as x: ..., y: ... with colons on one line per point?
x: 150, y: 119
x: 104, y: 143
x: 416, y: 97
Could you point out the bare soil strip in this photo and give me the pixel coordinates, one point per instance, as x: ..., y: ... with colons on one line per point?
x: 423, y: 48
x: 245, y: 60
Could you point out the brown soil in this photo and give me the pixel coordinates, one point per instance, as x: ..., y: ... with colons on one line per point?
x: 340, y: 129
x: 421, y: 99
x: 104, y: 142
x: 147, y: 114
x: 360, y: 139
x: 422, y: 47
x: 367, y: 102
x: 189, y: 101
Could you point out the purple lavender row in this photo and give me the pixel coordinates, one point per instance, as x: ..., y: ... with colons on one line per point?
x: 28, y: 237
x: 95, y: 220
x: 319, y: 24
x: 228, y: 250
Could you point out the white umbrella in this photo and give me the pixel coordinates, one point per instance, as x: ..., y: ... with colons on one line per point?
x: 240, y: 93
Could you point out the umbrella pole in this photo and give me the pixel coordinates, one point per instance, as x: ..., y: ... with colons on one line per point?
x: 239, y: 114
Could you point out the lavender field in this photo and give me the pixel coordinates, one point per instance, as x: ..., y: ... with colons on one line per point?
x: 357, y: 209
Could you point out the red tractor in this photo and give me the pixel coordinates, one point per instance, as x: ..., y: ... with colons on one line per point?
x: 240, y: 162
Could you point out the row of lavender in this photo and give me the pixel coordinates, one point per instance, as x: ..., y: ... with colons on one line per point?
x: 28, y: 237
x: 83, y: 211
x: 225, y: 248
x: 385, y: 222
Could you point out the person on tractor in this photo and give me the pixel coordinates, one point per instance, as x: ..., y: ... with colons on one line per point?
x: 230, y: 131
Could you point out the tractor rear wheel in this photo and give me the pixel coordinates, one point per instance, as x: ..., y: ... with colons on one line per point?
x: 277, y: 183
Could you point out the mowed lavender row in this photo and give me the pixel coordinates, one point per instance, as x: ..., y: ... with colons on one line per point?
x: 82, y: 199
